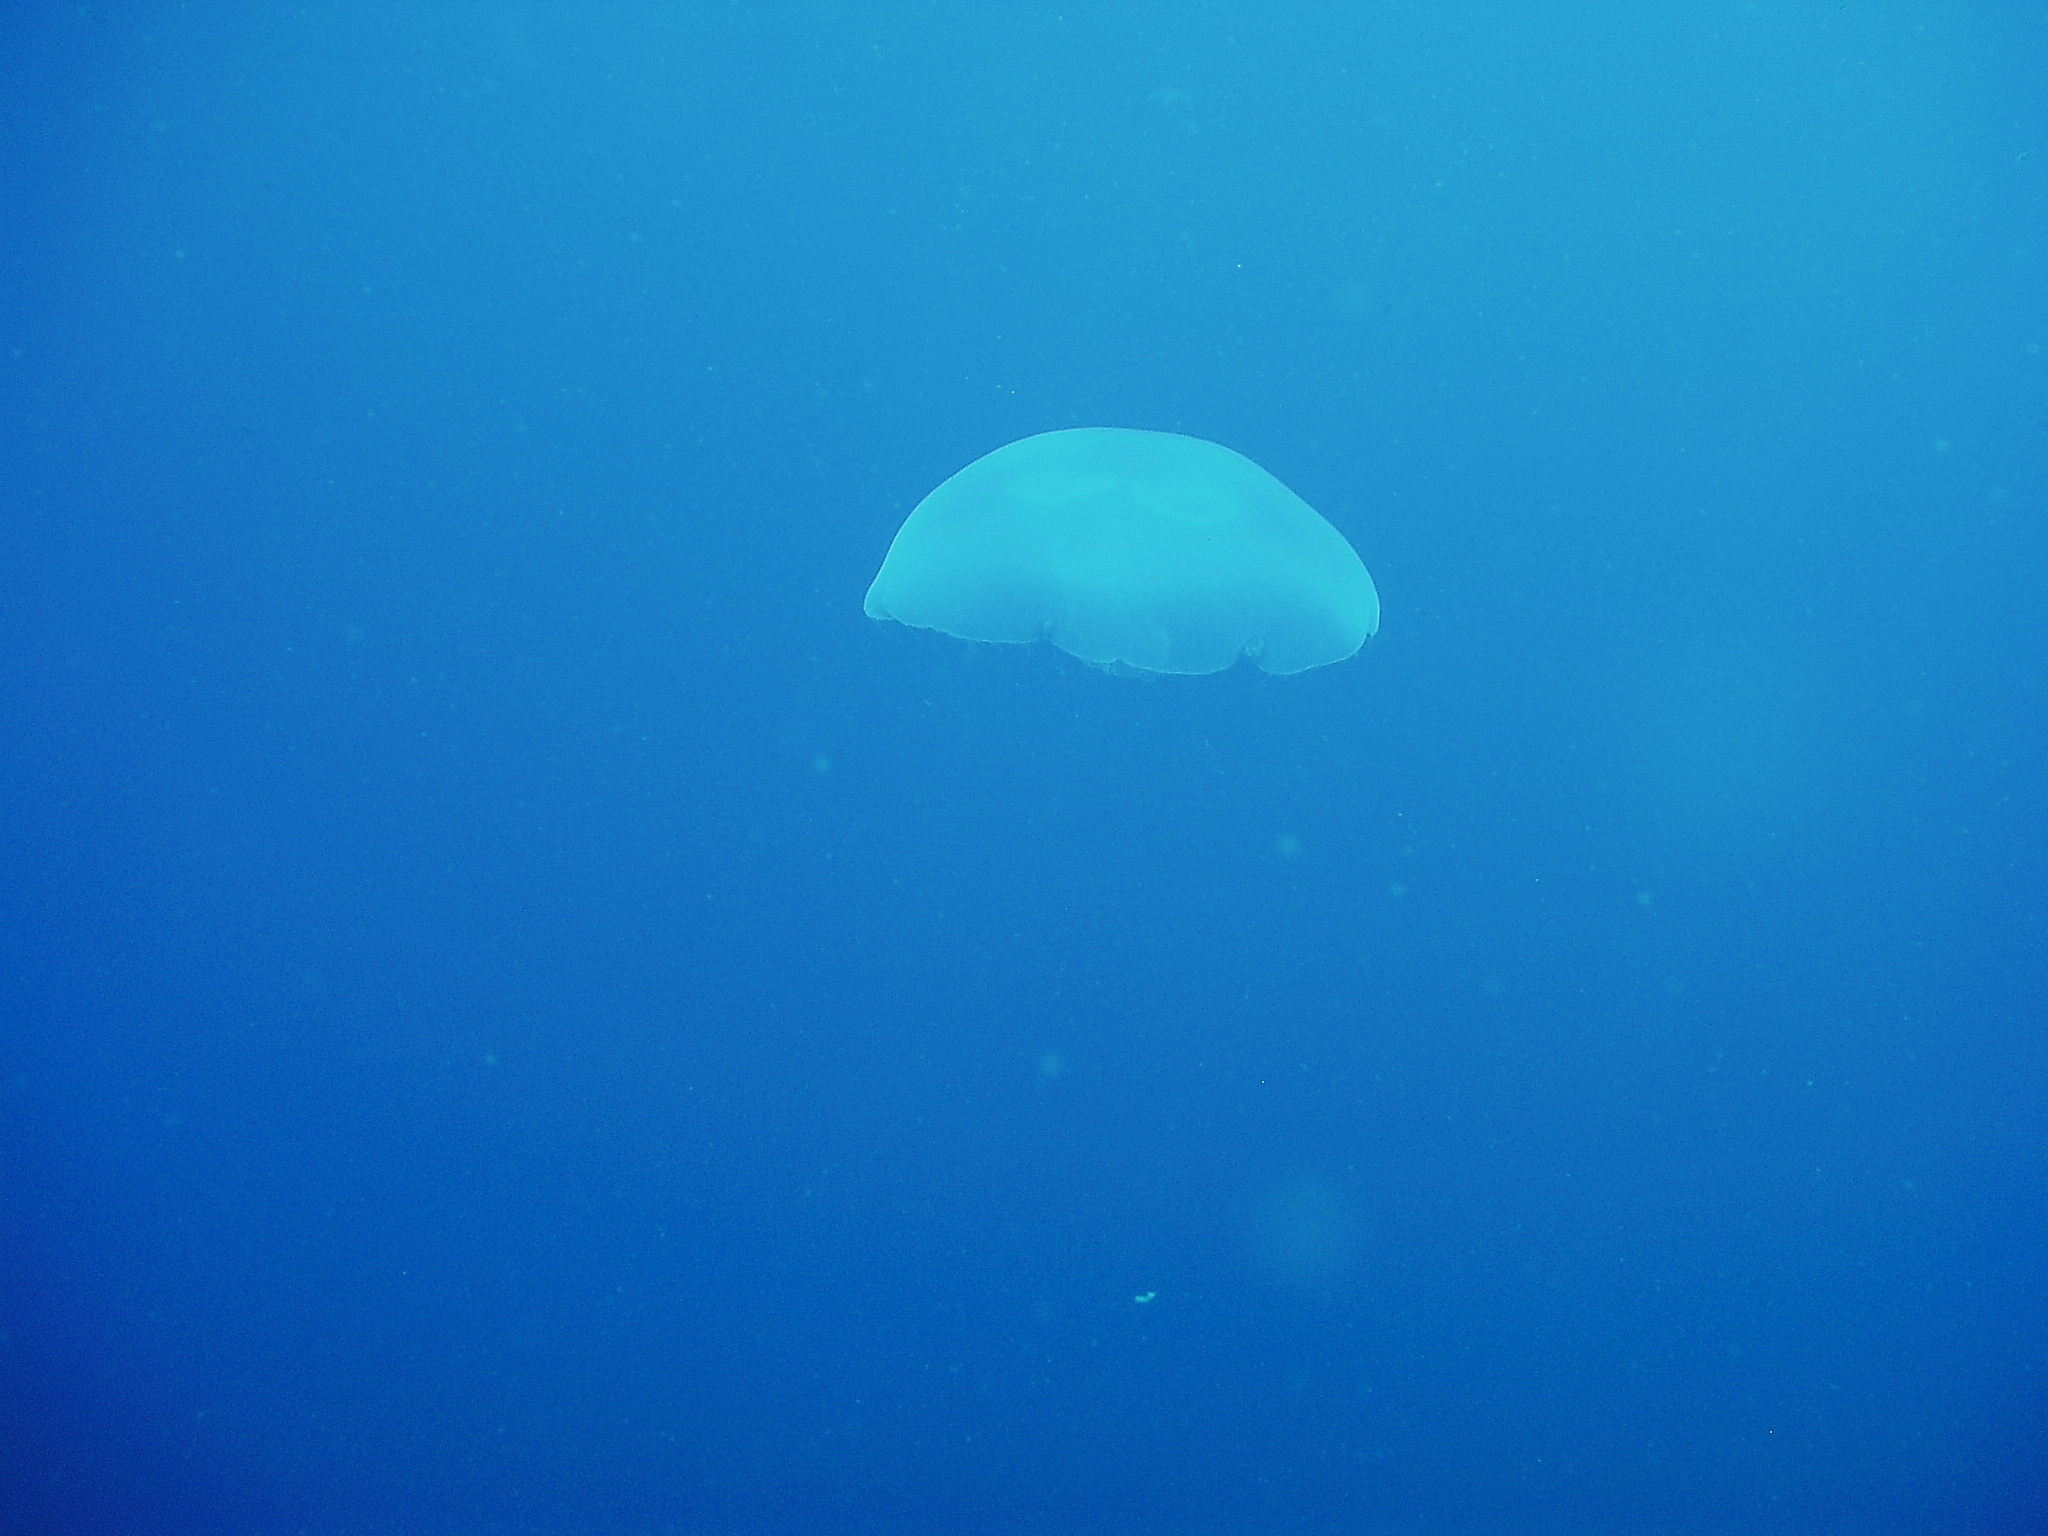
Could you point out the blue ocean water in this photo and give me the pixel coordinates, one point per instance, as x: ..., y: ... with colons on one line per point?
x: 524, y: 1011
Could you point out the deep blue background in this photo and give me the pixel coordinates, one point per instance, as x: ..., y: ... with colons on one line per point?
x: 524, y: 1011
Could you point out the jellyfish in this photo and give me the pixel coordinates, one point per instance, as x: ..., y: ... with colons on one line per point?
x: 1138, y: 552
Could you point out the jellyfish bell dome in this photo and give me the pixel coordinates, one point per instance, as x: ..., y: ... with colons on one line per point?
x: 1132, y: 550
